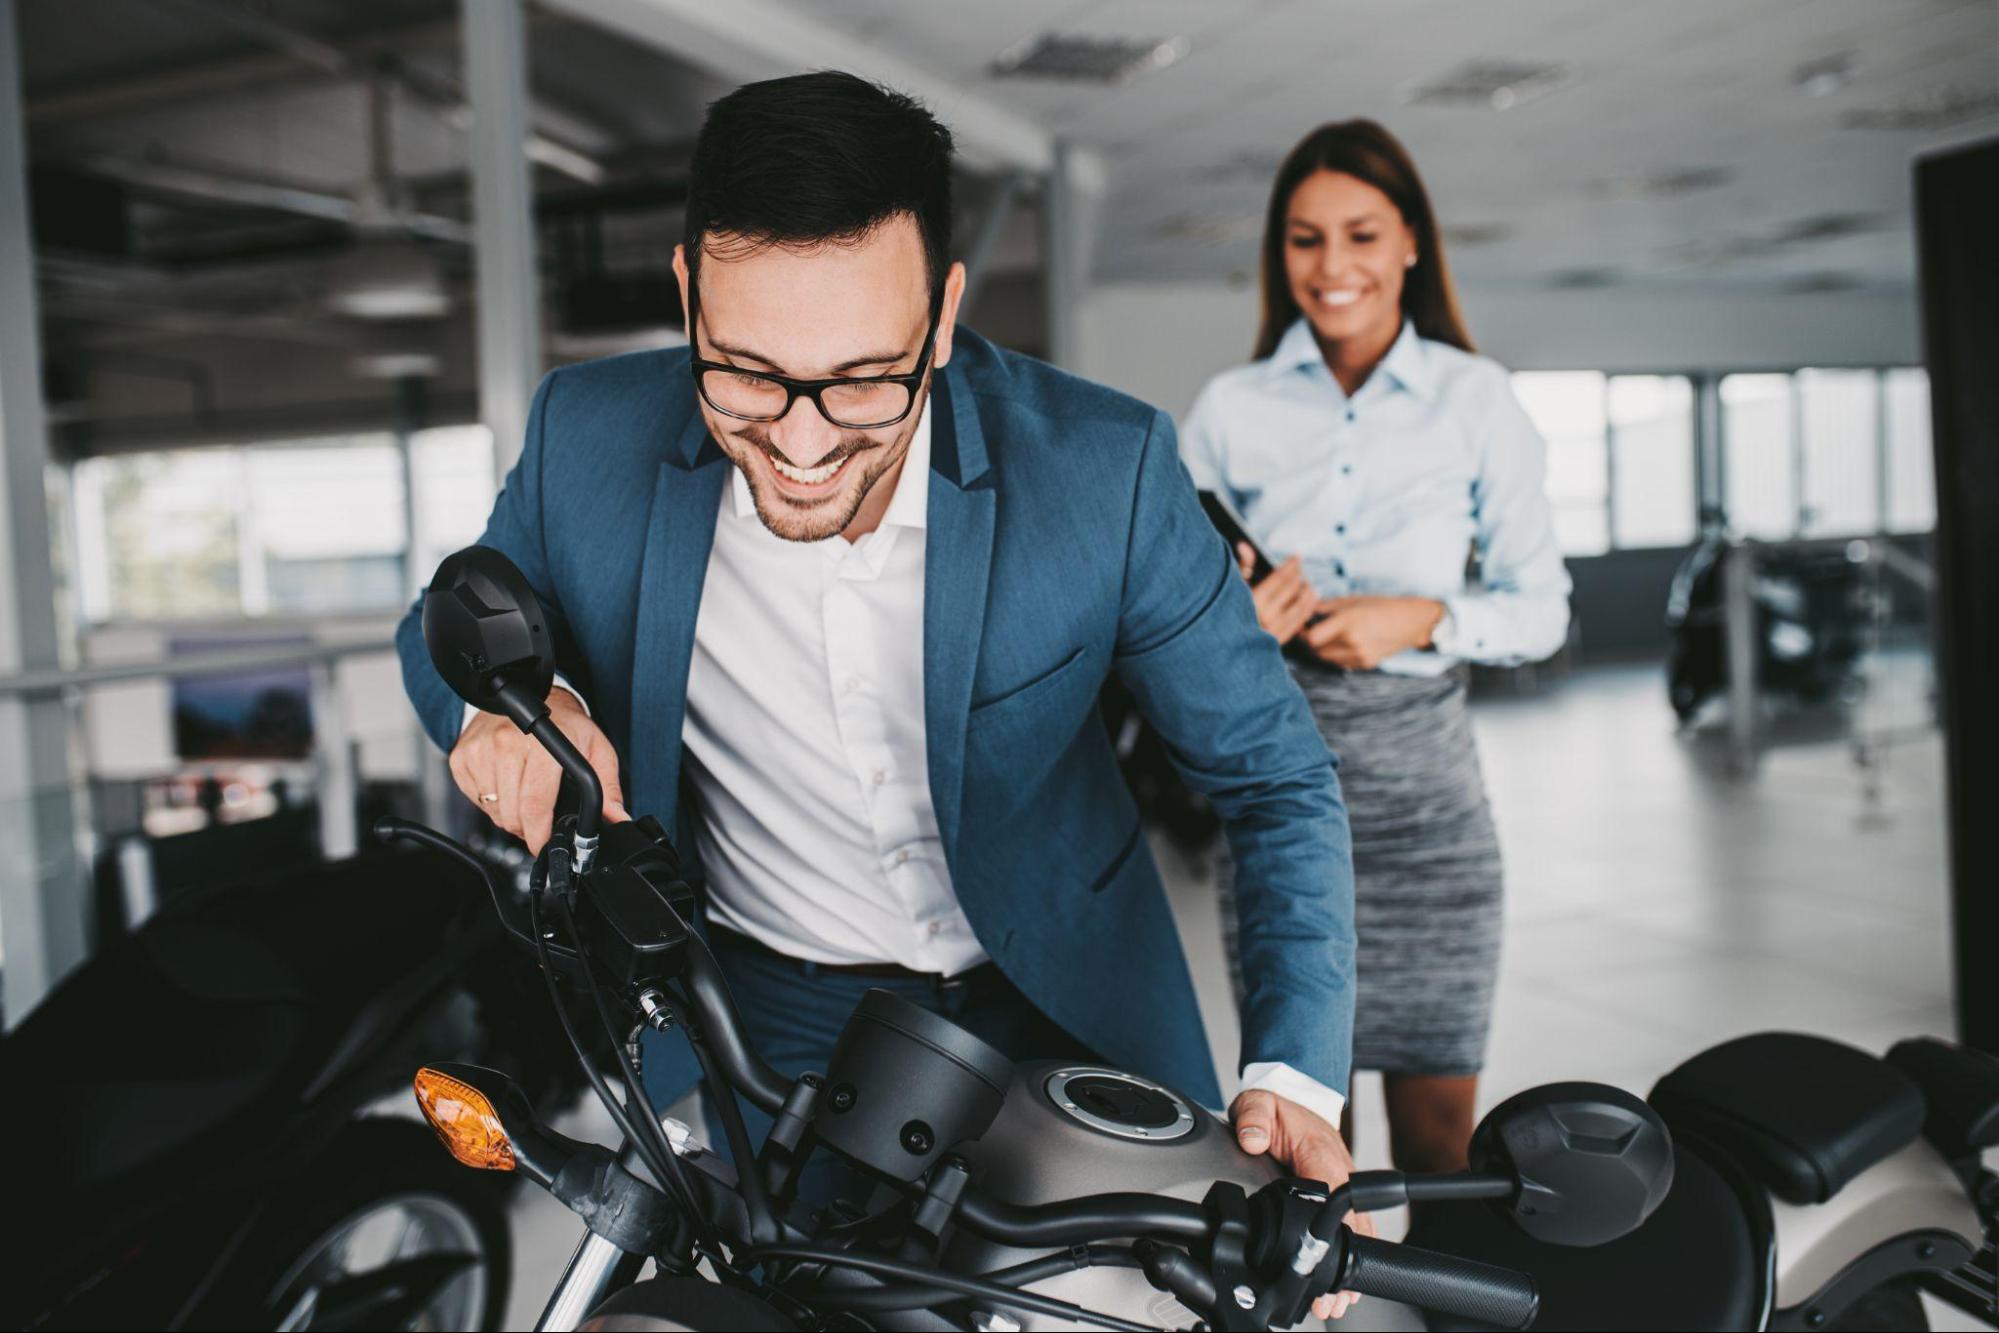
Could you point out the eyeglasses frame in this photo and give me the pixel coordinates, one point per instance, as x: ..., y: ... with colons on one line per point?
x: 794, y: 389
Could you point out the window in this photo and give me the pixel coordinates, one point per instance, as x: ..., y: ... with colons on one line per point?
x: 325, y: 527
x: 1652, y: 499
x: 303, y: 528
x: 1568, y: 408
x: 1839, y: 419
x: 1759, y: 467
x: 159, y: 535
x: 1911, y: 502
x: 452, y: 468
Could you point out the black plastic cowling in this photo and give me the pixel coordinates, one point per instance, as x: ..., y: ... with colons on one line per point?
x: 1465, y: 1288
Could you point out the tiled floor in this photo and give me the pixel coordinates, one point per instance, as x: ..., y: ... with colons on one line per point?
x: 1654, y: 906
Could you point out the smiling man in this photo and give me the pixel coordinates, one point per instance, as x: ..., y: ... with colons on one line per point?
x: 834, y: 591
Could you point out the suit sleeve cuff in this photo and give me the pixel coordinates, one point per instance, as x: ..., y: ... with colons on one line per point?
x: 472, y: 710
x: 1276, y: 1077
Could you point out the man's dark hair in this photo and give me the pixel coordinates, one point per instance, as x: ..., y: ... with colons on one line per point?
x: 824, y: 157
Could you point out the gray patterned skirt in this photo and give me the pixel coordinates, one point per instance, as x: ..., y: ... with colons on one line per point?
x: 1426, y: 867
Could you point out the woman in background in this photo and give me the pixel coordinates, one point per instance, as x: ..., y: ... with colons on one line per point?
x: 1370, y: 445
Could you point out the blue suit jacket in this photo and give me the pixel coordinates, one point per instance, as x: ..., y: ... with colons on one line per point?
x: 1065, y: 542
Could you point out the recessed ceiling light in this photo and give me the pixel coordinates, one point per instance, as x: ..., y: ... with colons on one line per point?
x: 1822, y: 78
x: 1087, y: 59
x: 1500, y: 85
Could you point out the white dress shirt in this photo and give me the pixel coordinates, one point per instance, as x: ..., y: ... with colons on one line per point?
x: 1383, y: 492
x: 806, y: 743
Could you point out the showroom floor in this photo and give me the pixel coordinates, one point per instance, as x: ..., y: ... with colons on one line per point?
x: 1654, y: 905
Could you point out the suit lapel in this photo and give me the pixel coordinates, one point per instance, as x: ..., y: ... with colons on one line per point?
x: 958, y: 554
x: 686, y: 499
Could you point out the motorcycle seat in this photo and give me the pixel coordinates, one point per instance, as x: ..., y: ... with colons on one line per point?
x: 1803, y: 1114
x: 162, y: 1045
x: 1693, y: 1264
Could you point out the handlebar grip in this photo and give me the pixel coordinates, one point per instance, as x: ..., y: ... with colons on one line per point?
x: 1441, y: 1282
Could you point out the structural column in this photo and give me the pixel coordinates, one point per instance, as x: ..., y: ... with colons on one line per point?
x: 509, y: 296
x: 1064, y: 256
x: 41, y: 883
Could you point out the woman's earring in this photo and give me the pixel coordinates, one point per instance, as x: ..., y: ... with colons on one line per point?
x: 1410, y: 262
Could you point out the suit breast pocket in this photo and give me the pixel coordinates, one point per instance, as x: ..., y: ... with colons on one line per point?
x: 1037, y: 692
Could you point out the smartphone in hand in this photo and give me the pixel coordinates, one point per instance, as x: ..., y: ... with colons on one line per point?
x: 1229, y: 524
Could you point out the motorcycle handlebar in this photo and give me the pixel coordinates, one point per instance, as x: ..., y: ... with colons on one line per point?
x: 1078, y: 1221
x: 1479, y: 1292
x: 722, y: 1031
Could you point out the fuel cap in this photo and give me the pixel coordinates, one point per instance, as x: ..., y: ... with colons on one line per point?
x: 1113, y: 1102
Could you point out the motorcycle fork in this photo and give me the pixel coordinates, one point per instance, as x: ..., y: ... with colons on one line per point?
x: 595, y: 1270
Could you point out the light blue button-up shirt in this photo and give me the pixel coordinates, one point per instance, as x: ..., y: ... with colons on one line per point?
x: 1389, y: 492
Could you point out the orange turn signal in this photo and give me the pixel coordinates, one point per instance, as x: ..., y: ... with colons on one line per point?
x: 464, y: 1120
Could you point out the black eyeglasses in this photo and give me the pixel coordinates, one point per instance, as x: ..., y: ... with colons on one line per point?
x: 863, y: 403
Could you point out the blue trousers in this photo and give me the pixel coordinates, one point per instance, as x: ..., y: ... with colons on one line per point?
x: 793, y: 1012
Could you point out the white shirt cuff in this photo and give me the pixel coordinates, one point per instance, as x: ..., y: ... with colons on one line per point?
x: 473, y: 710
x: 1280, y: 1078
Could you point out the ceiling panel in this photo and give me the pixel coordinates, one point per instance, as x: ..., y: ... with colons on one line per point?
x: 1700, y: 90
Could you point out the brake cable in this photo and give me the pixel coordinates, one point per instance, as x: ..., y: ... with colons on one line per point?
x: 612, y: 1106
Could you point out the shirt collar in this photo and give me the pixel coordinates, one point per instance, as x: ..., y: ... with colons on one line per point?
x: 1407, y: 362
x: 909, y: 507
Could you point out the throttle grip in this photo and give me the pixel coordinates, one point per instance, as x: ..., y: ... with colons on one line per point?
x: 1441, y: 1282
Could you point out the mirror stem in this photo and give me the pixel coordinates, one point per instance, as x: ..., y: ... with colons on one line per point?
x: 531, y: 715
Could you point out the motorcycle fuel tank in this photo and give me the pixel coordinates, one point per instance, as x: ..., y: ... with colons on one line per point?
x: 1069, y: 1129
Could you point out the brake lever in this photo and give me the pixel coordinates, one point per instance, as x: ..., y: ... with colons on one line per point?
x: 389, y: 829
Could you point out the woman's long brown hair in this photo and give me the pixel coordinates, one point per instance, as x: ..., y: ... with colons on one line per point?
x: 1364, y: 150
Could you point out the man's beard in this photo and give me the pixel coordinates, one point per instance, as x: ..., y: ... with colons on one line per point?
x: 802, y: 521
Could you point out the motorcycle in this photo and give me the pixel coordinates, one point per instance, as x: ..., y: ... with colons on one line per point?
x: 1066, y: 1194
x: 189, y: 1112
x: 1811, y: 615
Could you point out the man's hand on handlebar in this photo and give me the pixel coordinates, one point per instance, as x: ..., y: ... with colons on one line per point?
x: 1310, y: 1149
x: 514, y: 780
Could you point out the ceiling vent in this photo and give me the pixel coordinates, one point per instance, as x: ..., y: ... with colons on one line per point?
x: 1585, y: 279
x: 1500, y: 85
x: 1941, y: 110
x: 1476, y: 233
x: 1663, y: 184
x: 1826, y: 227
x: 1817, y: 284
x: 1076, y: 58
x: 1209, y: 229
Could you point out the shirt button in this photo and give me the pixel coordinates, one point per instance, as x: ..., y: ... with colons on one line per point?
x: 1346, y: 469
x: 902, y: 857
x: 936, y: 927
x: 1339, y: 569
x: 878, y: 777
x: 855, y: 684
x: 1349, y: 414
x: 1340, y: 528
